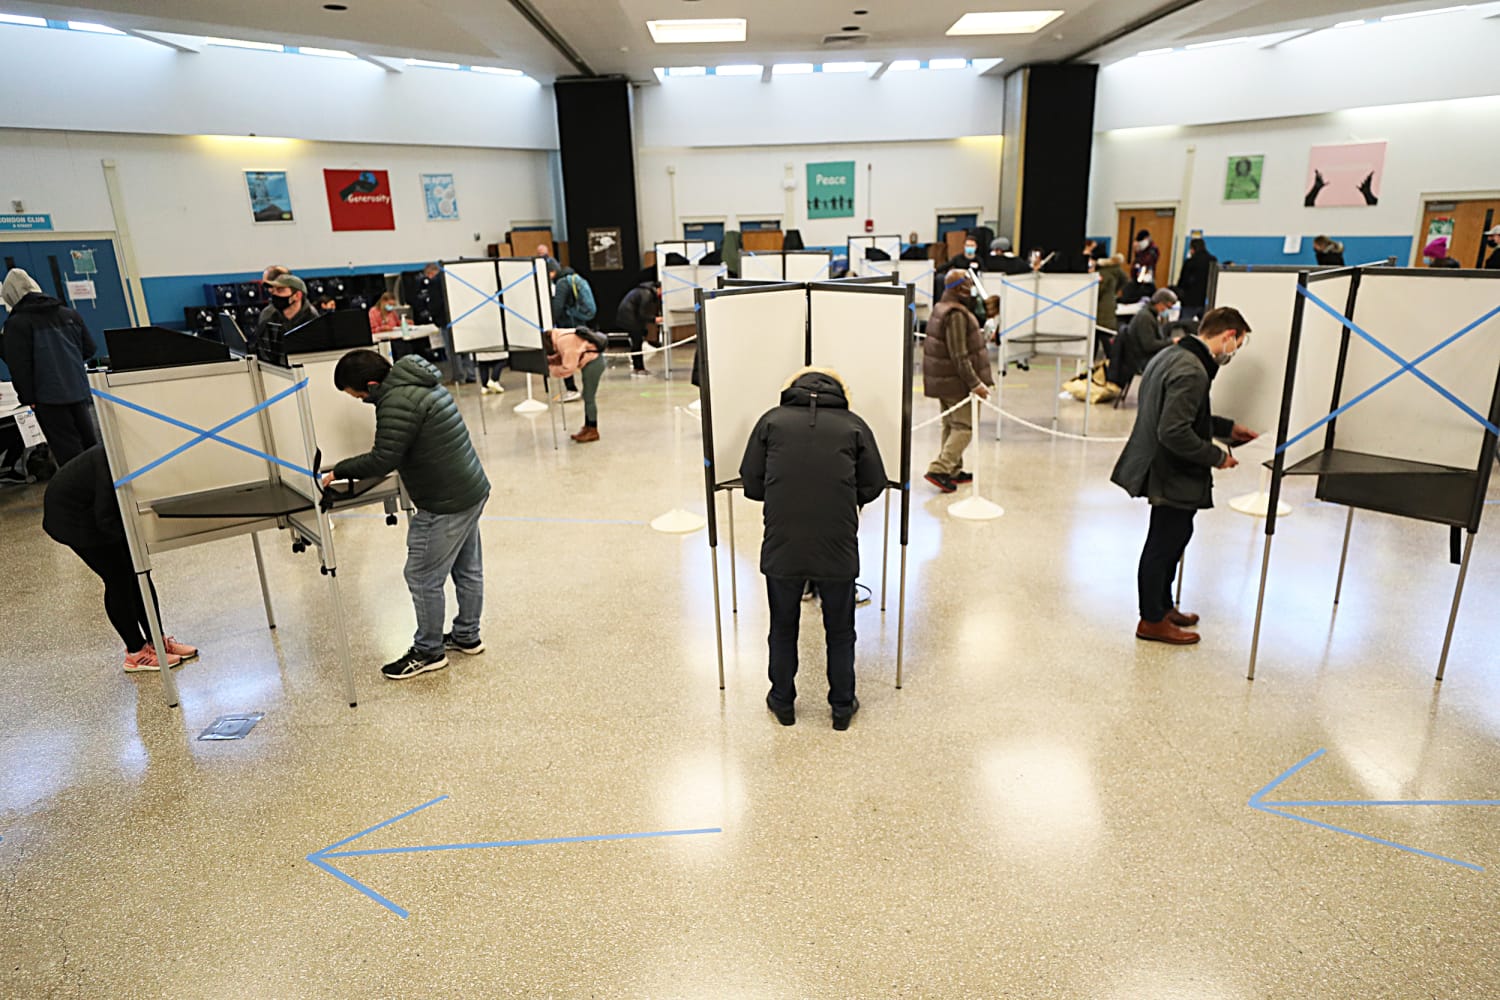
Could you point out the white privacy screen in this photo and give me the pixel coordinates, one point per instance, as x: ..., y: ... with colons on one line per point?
x: 808, y: 265
x: 863, y: 335
x: 343, y: 426
x: 858, y: 265
x: 470, y: 287
x: 1317, y: 367
x: 753, y: 341
x: 765, y: 266
x: 528, y: 303
x: 285, y: 420
x: 1249, y: 391
x: 1411, y: 314
x: 918, y: 273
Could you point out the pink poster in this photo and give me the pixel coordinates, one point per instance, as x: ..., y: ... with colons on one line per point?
x: 1345, y: 175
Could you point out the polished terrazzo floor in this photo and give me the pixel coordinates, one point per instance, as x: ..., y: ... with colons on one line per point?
x: 1046, y: 809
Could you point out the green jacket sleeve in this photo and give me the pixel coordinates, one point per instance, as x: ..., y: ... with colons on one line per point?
x: 1182, y: 395
x: 395, y: 429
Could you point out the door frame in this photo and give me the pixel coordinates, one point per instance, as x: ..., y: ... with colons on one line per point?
x: 1175, y: 204
x: 1424, y: 198
x: 50, y: 235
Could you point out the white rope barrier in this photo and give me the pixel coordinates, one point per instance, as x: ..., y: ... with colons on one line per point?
x: 940, y: 416
x: 1048, y: 430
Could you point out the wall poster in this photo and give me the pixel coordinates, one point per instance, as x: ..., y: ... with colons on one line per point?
x: 1242, y: 178
x: 604, y: 250
x: 830, y: 190
x: 270, y: 199
x: 359, y: 199
x: 441, y: 197
x: 1345, y: 175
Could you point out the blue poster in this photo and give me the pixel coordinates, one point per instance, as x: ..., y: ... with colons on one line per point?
x: 270, y: 201
x: 442, y: 199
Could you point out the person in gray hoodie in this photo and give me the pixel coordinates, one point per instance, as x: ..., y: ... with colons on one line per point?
x: 47, y: 346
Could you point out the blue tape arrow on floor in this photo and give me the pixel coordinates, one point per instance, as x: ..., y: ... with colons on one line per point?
x: 1277, y: 808
x: 321, y: 858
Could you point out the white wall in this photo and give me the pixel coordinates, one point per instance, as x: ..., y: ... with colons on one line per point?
x: 189, y: 211
x: 109, y: 83
x: 1436, y: 58
x: 1443, y: 148
x: 818, y: 108
x: 912, y: 182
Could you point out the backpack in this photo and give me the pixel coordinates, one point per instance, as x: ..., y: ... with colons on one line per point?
x: 583, y: 297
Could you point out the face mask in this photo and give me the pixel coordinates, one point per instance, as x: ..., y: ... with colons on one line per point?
x: 388, y: 308
x: 1142, y: 244
x: 969, y: 251
x: 1172, y: 314
x: 282, y: 301
x: 1223, y: 359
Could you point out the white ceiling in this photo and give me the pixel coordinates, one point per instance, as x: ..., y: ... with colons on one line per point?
x: 611, y: 35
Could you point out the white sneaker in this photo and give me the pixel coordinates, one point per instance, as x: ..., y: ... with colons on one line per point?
x: 571, y: 397
x: 494, y: 387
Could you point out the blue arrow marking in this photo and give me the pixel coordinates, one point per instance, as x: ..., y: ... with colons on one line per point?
x: 1258, y: 801
x: 320, y: 858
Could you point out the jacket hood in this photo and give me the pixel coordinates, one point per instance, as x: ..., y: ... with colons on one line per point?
x: 412, y: 370
x: 814, y: 388
x: 1108, y: 265
x: 17, y: 285
x: 1334, y: 246
x: 37, y: 302
x: 564, y: 270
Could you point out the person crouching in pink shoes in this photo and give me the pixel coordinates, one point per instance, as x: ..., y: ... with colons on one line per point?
x: 81, y: 512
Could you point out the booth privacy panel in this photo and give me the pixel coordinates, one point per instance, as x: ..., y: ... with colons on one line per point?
x: 857, y: 245
x: 528, y: 303
x: 865, y: 337
x: 343, y: 426
x: 1411, y: 314
x: 807, y: 266
x: 759, y: 267
x: 469, y: 286
x: 1317, y: 367
x: 285, y: 420
x: 1249, y: 391
x: 753, y: 339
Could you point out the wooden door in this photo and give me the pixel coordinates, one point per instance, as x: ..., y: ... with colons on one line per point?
x: 1161, y: 224
x: 758, y: 240
x: 1471, y: 218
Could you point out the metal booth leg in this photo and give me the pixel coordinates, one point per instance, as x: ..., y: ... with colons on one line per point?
x: 1338, y: 588
x: 1458, y: 593
x: 265, y: 591
x: 343, y: 636
x: 885, y: 550
x: 1260, y: 604
x: 158, y: 640
x: 484, y: 424
x: 734, y: 588
x: 713, y: 558
x: 901, y: 617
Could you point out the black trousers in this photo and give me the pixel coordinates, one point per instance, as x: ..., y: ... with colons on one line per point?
x: 637, y: 341
x: 1171, y: 530
x: 837, y: 597
x: 122, y: 594
x: 69, y: 428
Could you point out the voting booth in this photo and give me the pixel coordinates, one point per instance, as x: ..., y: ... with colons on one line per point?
x: 503, y: 305
x: 679, y: 286
x: 860, y: 265
x: 752, y: 336
x: 786, y: 265
x: 1390, y: 398
x: 206, y: 450
x: 1046, y: 315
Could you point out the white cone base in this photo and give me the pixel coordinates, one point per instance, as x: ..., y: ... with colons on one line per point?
x: 678, y: 522
x: 1259, y: 505
x: 531, y: 406
x: 696, y: 405
x: 976, y: 509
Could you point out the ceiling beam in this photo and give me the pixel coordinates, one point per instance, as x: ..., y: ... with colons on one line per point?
x: 879, y: 71
x: 181, y: 43
x: 1174, y: 7
x: 765, y: 72
x: 556, y: 40
x: 386, y: 63
x: 1287, y: 36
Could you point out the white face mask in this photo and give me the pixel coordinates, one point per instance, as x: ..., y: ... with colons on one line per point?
x: 1224, y: 359
x: 1142, y: 244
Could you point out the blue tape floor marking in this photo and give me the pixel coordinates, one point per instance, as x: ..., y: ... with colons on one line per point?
x: 1052, y: 303
x: 1276, y: 808
x: 1405, y: 366
x: 204, y: 435
x: 320, y: 858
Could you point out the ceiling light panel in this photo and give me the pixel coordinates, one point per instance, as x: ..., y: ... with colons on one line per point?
x: 91, y: 26
x: 848, y: 67
x: 697, y: 30
x: 791, y: 69
x: 1004, y: 22
x: 739, y: 69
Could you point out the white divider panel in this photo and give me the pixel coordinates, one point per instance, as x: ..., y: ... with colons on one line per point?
x: 677, y: 287
x: 863, y: 335
x: 285, y: 419
x: 857, y: 245
x: 755, y: 339
x: 1411, y: 314
x: 532, y: 300
x: 808, y: 266
x: 479, y: 329
x: 920, y: 274
x: 1317, y: 367
x: 762, y: 266
x: 1249, y: 391
x: 1084, y: 289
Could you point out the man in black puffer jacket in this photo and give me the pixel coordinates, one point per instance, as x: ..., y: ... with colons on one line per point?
x: 420, y: 434
x: 47, y: 345
x: 814, y: 464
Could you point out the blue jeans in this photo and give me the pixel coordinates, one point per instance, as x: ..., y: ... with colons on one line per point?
x: 463, y: 364
x: 437, y: 546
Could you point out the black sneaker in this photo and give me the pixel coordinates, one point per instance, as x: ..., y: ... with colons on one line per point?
x: 962, y: 477
x: 413, y: 663
x: 942, y: 482
x: 841, y: 717
x: 785, y: 714
x: 471, y: 648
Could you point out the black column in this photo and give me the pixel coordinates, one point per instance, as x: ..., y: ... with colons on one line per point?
x: 1055, y: 151
x: 598, y: 172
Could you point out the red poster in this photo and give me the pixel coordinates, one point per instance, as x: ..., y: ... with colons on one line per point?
x: 359, y: 199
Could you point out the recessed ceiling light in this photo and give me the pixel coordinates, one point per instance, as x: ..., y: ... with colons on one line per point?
x: 850, y: 27
x: 308, y: 50
x: 791, y: 69
x: 98, y: 29
x: 30, y: 22
x: 1422, y: 13
x: 739, y: 69
x: 687, y: 70
x: 861, y: 12
x: 699, y: 29
x: 848, y: 67
x: 1216, y: 43
x: 335, y: 6
x: 1004, y: 22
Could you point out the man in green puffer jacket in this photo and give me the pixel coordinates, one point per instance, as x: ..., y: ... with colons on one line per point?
x: 420, y: 434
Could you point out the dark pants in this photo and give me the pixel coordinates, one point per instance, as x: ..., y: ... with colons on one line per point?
x: 489, y: 371
x: 69, y: 428
x: 637, y: 342
x: 1171, y: 529
x: 122, y: 593
x: 837, y: 597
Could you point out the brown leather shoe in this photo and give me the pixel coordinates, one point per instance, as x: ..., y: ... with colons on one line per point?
x: 1165, y: 631
x: 586, y: 435
x: 1182, y: 619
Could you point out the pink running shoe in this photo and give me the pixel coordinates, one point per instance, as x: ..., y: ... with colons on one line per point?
x: 182, y: 649
x: 145, y: 660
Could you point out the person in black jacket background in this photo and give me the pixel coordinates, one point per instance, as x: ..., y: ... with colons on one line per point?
x: 81, y: 512
x: 1192, y: 283
x: 814, y: 463
x: 637, y: 312
x: 1329, y: 253
x: 46, y: 346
